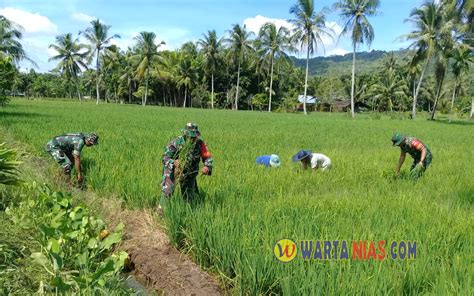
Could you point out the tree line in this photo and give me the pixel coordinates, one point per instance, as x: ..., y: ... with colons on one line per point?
x: 245, y: 71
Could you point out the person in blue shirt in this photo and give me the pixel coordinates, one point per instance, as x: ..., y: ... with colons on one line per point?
x: 269, y: 160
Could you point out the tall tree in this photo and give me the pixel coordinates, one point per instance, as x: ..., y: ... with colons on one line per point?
x: 186, y: 76
x: 127, y: 73
x: 310, y: 30
x: 428, y: 22
x: 240, y: 46
x: 211, y: 46
x: 273, y: 44
x: 461, y: 60
x: 10, y: 36
x: 389, y: 88
x: 448, y: 34
x: 72, y: 58
x: 98, y: 36
x: 354, y: 14
x: 147, y: 55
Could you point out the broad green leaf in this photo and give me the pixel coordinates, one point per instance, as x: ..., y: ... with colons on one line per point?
x: 73, y: 234
x: 92, y: 243
x: 57, y: 261
x: 107, y: 266
x: 82, y: 258
x: 41, y: 259
x: 64, y: 202
x: 53, y: 245
x: 110, y: 240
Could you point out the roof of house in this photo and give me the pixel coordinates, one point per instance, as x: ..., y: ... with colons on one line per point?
x: 309, y: 99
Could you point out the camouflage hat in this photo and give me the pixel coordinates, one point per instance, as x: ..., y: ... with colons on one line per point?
x: 93, y: 138
x: 191, y: 130
x: 397, y: 139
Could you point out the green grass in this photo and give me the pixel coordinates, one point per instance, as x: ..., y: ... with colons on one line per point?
x: 248, y: 208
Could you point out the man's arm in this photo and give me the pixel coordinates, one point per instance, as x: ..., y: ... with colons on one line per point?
x: 206, y: 159
x: 401, y: 160
x: 169, y: 155
x: 77, y: 163
x: 420, y: 147
x: 78, y: 146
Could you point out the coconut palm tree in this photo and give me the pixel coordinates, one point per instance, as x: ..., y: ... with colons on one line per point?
x: 72, y: 58
x: 310, y: 28
x: 461, y: 59
x: 411, y: 71
x: 98, y: 36
x: 240, y: 46
x: 10, y: 36
x: 111, y: 66
x: 127, y: 73
x: 354, y: 14
x: 448, y: 34
x: 389, y: 88
x: 211, y: 46
x: 168, y: 73
x: 186, y: 76
x: 274, y: 44
x: 147, y: 56
x: 428, y: 22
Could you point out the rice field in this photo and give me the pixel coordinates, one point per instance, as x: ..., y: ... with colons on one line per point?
x: 247, y: 209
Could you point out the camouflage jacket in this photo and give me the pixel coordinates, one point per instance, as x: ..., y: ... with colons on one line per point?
x: 199, y: 151
x: 71, y: 143
x: 414, y: 147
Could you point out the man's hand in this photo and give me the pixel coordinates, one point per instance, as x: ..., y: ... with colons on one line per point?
x: 205, y: 170
x: 420, y: 164
x: 80, y: 178
x: 177, y: 169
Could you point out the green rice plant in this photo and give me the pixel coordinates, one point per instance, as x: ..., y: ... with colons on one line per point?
x: 9, y: 174
x: 246, y: 209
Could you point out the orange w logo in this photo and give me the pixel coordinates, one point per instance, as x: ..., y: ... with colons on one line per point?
x: 286, y: 251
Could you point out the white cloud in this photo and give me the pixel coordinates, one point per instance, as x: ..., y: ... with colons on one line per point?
x: 173, y: 37
x: 254, y: 24
x: 336, y: 51
x: 82, y: 17
x: 37, y: 48
x: 32, y: 23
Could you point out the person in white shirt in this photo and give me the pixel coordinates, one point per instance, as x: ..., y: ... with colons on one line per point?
x: 313, y: 160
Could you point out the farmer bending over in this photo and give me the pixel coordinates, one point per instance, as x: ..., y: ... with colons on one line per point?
x: 181, y: 162
x: 269, y: 160
x: 66, y: 150
x: 420, y: 153
x: 313, y: 160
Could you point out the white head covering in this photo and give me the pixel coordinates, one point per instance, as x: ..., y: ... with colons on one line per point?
x: 274, y: 160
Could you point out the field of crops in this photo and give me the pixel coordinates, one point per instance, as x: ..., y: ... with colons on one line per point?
x: 247, y: 209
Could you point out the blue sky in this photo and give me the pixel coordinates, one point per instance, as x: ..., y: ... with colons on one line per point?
x: 179, y: 21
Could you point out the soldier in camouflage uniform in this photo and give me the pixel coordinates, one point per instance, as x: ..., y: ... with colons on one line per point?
x: 66, y: 150
x: 181, y: 161
x: 420, y: 153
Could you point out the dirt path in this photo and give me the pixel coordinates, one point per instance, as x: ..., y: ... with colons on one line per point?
x: 156, y: 262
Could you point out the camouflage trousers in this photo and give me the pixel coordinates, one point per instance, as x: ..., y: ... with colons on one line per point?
x: 416, y: 171
x: 188, y: 185
x: 63, y: 159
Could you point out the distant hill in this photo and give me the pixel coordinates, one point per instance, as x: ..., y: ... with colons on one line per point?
x: 342, y: 64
